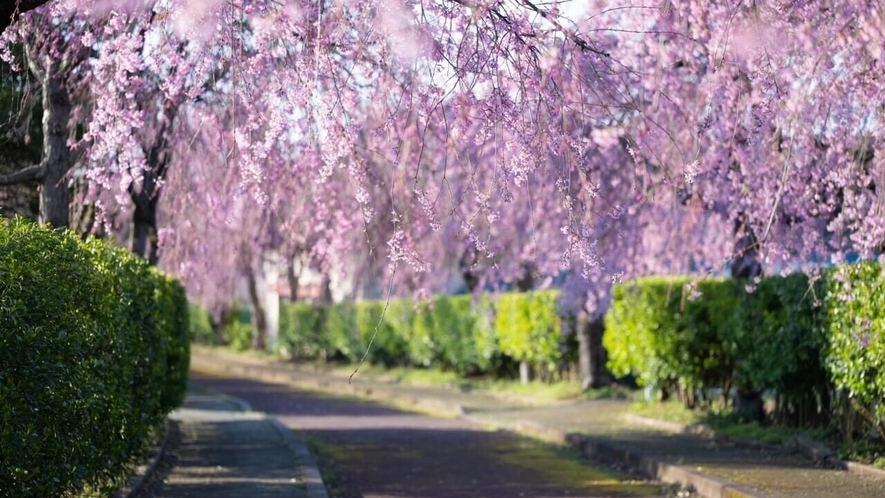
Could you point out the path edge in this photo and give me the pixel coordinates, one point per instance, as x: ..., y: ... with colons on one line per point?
x: 307, y: 465
x: 705, y: 485
x: 137, y: 479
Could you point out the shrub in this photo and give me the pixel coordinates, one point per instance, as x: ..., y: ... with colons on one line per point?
x: 528, y: 328
x: 443, y: 335
x: 388, y: 347
x: 201, y: 329
x: 657, y: 331
x: 339, y: 329
x: 778, y: 343
x: 855, y: 321
x: 93, y: 350
x: 300, y: 331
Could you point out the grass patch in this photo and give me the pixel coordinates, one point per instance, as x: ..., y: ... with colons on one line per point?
x: 327, y: 465
x: 723, y: 422
x: 539, y: 391
x: 866, y: 452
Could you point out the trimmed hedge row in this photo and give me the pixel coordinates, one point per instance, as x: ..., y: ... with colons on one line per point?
x: 805, y: 339
x: 449, y: 332
x: 94, y: 352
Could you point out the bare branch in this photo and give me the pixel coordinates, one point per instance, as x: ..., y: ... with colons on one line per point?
x: 11, y: 9
x: 33, y: 173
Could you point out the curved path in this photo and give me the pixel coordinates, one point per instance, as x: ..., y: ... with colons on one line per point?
x: 372, y: 451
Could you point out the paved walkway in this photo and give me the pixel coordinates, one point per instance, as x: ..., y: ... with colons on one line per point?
x: 226, y: 452
x: 374, y: 451
x: 775, y: 473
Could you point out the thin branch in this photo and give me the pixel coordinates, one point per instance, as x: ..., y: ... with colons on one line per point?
x: 33, y: 173
x: 11, y: 9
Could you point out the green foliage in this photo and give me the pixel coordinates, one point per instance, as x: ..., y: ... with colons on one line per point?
x: 855, y: 311
x: 657, y: 331
x: 93, y: 353
x: 388, y: 347
x: 805, y: 339
x: 201, y: 329
x: 454, y: 333
x: 236, y: 328
x: 339, y: 331
x: 778, y: 341
x: 528, y: 328
x: 299, y: 334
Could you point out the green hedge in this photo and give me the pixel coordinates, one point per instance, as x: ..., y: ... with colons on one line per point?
x: 94, y: 352
x: 805, y: 339
x: 454, y: 333
x: 529, y: 329
x: 666, y: 331
x: 855, y: 317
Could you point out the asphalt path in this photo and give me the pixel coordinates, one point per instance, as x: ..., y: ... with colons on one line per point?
x: 373, y: 451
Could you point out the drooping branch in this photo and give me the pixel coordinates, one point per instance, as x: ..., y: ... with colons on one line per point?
x: 33, y: 173
x: 11, y: 9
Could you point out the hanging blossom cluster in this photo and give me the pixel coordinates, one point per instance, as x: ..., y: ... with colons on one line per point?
x: 614, y: 140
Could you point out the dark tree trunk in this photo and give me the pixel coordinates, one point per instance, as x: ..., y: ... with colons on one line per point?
x: 465, y: 265
x: 144, y: 221
x: 527, y: 281
x: 325, y: 296
x: 591, y: 354
x: 748, y: 404
x: 259, y: 321
x: 746, y: 263
x: 293, y: 279
x: 55, y: 195
x: 146, y: 196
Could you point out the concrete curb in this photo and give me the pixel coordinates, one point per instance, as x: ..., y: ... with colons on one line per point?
x: 707, y: 486
x: 813, y: 450
x: 144, y: 472
x: 861, y: 469
x: 310, y: 472
x: 705, y: 431
x: 307, y: 467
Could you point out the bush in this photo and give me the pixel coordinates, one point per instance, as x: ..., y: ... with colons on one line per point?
x: 201, y: 329
x: 93, y: 350
x: 300, y: 331
x: 855, y: 321
x: 657, y: 331
x: 388, y: 347
x: 450, y: 332
x: 339, y: 329
x: 778, y: 343
x: 528, y: 328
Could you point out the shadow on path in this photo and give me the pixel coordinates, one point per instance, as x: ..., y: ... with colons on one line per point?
x: 225, y: 453
x: 373, y: 451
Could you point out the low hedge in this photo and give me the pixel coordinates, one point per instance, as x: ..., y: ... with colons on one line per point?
x: 454, y: 333
x: 94, y: 351
x: 855, y: 319
x: 807, y: 340
x: 528, y: 328
x: 665, y: 332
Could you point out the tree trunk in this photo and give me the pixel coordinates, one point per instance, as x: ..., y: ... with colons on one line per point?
x: 144, y: 224
x: 527, y: 281
x: 524, y: 373
x: 325, y: 290
x: 55, y: 195
x: 292, y: 277
x: 146, y: 196
x: 259, y: 337
x: 748, y: 405
x: 591, y: 354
